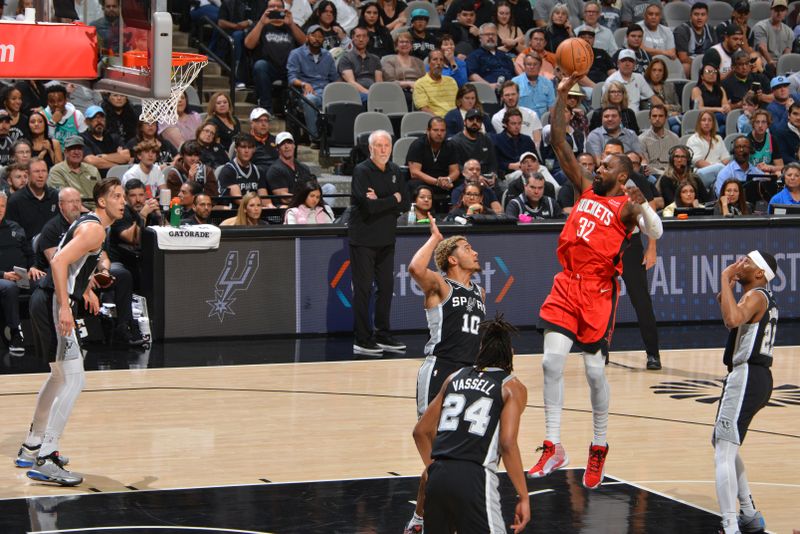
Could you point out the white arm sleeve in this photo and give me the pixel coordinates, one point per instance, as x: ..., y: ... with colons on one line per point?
x: 649, y: 222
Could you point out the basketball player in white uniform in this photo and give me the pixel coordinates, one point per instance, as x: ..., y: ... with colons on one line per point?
x: 748, y: 355
x: 454, y: 306
x: 71, y: 270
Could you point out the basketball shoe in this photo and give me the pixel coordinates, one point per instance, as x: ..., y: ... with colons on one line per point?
x: 413, y: 529
x: 27, y: 456
x: 51, y: 469
x: 593, y: 476
x: 752, y: 523
x: 553, y: 457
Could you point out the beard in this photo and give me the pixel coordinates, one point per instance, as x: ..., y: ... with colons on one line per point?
x: 599, y: 187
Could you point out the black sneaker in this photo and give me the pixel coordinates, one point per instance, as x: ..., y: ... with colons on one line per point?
x: 653, y: 362
x: 366, y: 347
x: 123, y: 335
x: 388, y: 342
x: 17, y: 345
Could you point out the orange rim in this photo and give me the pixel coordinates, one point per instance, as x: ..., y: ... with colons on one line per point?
x: 139, y: 59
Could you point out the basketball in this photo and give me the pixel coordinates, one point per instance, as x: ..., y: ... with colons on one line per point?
x: 574, y: 55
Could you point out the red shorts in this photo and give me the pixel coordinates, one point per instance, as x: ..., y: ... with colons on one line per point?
x: 582, y: 308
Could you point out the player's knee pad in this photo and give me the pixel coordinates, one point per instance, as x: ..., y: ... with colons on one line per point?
x: 595, y: 368
x: 553, y: 365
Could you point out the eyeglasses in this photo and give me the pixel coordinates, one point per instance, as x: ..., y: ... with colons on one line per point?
x: 709, y: 71
x: 615, y: 91
x: 753, y: 60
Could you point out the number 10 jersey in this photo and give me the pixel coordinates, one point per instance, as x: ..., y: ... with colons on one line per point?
x: 453, y: 324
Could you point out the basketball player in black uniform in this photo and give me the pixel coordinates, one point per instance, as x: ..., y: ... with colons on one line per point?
x: 471, y: 423
x: 748, y: 355
x: 71, y: 270
x: 454, y: 306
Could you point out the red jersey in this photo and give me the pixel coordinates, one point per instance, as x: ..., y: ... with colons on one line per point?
x: 594, y: 236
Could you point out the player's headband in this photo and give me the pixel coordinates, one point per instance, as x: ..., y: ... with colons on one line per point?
x: 759, y: 260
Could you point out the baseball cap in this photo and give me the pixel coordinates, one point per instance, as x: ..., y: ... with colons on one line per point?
x: 585, y: 30
x: 257, y: 113
x: 73, y: 141
x: 733, y: 29
x: 527, y: 155
x: 742, y: 7
x: 91, y: 111
x: 779, y: 3
x: 4, y: 115
x: 576, y: 91
x: 420, y: 13
x: 283, y: 137
x: 471, y: 114
x: 778, y: 81
x: 314, y: 28
x: 626, y: 54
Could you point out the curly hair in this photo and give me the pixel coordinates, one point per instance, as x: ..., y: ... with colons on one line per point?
x: 444, y: 250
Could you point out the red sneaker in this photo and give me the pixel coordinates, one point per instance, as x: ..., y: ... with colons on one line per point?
x: 593, y: 476
x: 553, y: 457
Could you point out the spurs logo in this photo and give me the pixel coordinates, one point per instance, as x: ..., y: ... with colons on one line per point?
x: 229, y: 282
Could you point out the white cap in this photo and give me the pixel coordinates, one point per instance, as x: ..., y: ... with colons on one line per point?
x: 283, y: 136
x: 528, y: 155
x: 257, y: 113
x: 626, y: 54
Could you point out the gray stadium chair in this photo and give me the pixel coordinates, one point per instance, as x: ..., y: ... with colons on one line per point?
x: 400, y: 150
x: 674, y: 67
x: 758, y: 12
x: 685, y: 139
x: 729, y: 139
x: 339, y: 92
x: 414, y: 124
x: 643, y: 119
x: 597, y: 95
x: 118, y: 170
x: 789, y: 63
x: 397, y: 31
x: 545, y: 118
x: 388, y: 98
x: 718, y: 12
x: 368, y: 122
x: 730, y: 121
x: 434, y: 21
x: 619, y: 36
x: 486, y: 93
x: 689, y: 120
x: 686, y: 96
x: 342, y: 104
x: 676, y: 13
x: 192, y: 98
x: 697, y: 63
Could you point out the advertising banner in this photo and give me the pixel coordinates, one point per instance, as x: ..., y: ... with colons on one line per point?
x: 48, y: 51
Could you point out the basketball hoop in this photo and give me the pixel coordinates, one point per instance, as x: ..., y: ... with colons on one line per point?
x: 185, y: 68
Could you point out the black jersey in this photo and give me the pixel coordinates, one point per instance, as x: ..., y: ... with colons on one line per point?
x: 470, y: 422
x: 753, y: 342
x: 453, y: 324
x: 81, y: 270
x: 249, y: 180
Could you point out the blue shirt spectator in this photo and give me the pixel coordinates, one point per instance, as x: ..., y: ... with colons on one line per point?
x: 486, y: 63
x: 310, y: 68
x: 459, y: 73
x: 538, y: 95
x: 736, y: 170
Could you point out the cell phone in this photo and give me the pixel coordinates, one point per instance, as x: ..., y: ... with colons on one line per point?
x: 276, y: 15
x: 756, y: 86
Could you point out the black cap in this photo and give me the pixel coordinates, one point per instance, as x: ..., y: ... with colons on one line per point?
x: 474, y: 112
x: 733, y: 29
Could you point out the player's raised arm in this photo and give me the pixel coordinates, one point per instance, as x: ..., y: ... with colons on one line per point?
x: 558, y: 132
x: 750, y: 307
x: 431, y: 282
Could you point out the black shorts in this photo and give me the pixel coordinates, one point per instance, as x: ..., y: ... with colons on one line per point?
x: 462, y: 497
x: 432, y: 374
x: 745, y: 391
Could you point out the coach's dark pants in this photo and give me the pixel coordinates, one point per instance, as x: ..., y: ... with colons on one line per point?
x: 635, y: 276
x: 9, y: 300
x: 370, y: 264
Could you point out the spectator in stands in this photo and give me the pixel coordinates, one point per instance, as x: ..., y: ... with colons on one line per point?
x: 522, y: 13
x: 403, y: 68
x: 742, y: 81
x: 307, y: 206
x: 433, y: 160
x: 433, y: 92
x: 454, y: 66
x: 602, y: 66
x: 633, y: 44
x: 694, y: 38
x: 248, y: 213
x: 575, y: 138
x: 15, y: 179
x: 709, y: 95
x: 121, y: 118
x: 634, y: 10
x: 773, y: 38
x: 186, y: 195
x: 108, y: 28
x: 739, y: 17
x: 471, y: 143
x: 486, y: 64
x: 380, y: 39
x: 11, y: 99
x: 603, y: 37
x: 536, y: 45
x: 186, y: 127
x: 287, y: 173
x: 102, y: 148
x: 6, y: 141
x: 510, y: 144
x: 686, y: 198
x: 33, y: 205
x: 266, y: 148
x: 790, y: 194
x: 274, y: 36
x: 782, y: 100
x: 611, y: 128
x: 720, y: 55
x: 535, y: 92
x: 532, y: 202
x: 212, y: 153
x: 392, y: 13
x: 422, y: 204
x: 463, y: 29
x: 510, y: 38
x: 324, y: 16
x: 529, y: 164
x: 610, y: 16
x: 739, y: 167
x: 531, y: 124
x: 635, y: 85
x: 75, y: 172
x: 17, y: 252
x: 743, y: 125
x: 615, y: 96
x: 148, y: 131
x: 566, y: 195
x: 466, y: 99
x: 423, y: 40
x: 63, y: 120
x: 658, y: 39
x: 188, y: 169
x: 656, y: 77
x: 201, y: 210
x: 472, y: 175
x: 310, y: 69
x: 765, y: 155
x: 483, y: 9
x: 44, y: 147
x: 147, y: 171
x: 679, y: 170
x: 21, y: 152
x: 709, y: 155
x: 239, y: 176
x: 358, y: 67
x: 236, y: 18
x: 471, y: 203
x: 220, y: 113
x: 657, y: 141
x: 34, y: 94
x: 558, y: 28
x: 732, y: 200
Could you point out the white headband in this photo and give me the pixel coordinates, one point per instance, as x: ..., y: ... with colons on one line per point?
x: 759, y: 260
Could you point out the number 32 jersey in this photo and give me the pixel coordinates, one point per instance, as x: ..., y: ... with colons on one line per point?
x: 594, y: 237
x: 453, y: 324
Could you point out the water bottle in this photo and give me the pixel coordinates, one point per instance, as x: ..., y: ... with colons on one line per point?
x: 412, y: 215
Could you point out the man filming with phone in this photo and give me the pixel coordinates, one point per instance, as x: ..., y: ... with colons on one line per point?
x: 275, y: 35
x: 742, y: 80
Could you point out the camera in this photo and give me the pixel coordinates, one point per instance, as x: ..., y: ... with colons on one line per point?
x: 276, y: 15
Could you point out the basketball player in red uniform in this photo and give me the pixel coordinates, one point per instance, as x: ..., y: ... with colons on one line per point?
x: 581, y: 306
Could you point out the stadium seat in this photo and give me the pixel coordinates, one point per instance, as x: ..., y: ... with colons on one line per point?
x: 758, y: 11
x: 340, y: 92
x: 686, y: 96
x: 597, y: 95
x: 730, y: 121
x: 789, y: 63
x: 643, y: 119
x: 718, y: 12
x: 697, y: 62
x: 118, y: 170
x: 619, y: 36
x: 689, y: 121
x: 488, y: 98
x: 400, y: 150
x: 676, y: 13
x: 369, y: 121
x: 387, y: 98
x: 729, y: 139
x: 414, y: 124
x: 674, y: 67
x: 341, y: 104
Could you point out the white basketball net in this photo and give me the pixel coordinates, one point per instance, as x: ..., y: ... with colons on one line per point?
x: 166, y: 110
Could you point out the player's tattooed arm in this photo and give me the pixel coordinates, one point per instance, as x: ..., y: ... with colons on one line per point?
x: 579, y: 176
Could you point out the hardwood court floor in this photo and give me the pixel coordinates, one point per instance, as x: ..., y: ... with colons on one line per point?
x: 209, y: 426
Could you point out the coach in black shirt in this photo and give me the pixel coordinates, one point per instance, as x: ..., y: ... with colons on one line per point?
x: 35, y: 204
x: 378, y: 196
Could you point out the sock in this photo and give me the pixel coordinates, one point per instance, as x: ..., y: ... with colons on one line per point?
x: 44, y: 402
x: 415, y: 520
x: 746, y: 504
x: 725, y: 462
x: 594, y: 366
x: 556, y: 348
x: 74, y: 377
x: 730, y: 524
